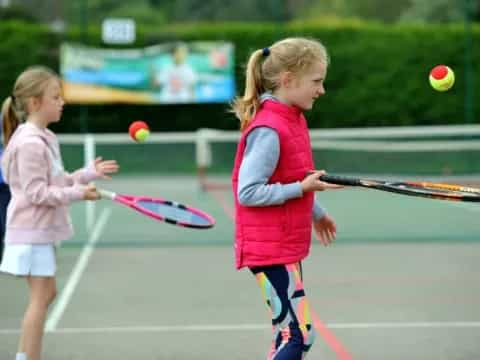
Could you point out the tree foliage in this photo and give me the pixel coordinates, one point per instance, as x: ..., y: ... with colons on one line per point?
x: 425, y: 11
x: 378, y: 75
x: 16, y: 13
x: 440, y: 11
x: 142, y: 11
x: 363, y: 9
x: 157, y: 12
x: 234, y: 10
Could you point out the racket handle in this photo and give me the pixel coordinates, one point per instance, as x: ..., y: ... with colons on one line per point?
x: 106, y: 194
x: 340, y: 180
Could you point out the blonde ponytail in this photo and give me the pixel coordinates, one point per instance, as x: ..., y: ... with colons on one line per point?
x: 246, y: 106
x: 10, y: 120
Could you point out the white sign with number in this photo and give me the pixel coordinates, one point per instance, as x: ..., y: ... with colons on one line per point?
x: 118, y: 31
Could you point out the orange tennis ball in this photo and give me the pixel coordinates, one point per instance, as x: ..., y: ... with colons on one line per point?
x: 442, y: 78
x: 139, y: 131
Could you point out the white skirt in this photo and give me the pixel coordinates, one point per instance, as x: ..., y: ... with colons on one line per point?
x: 29, y: 259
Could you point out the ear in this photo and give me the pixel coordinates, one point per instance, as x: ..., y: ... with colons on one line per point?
x: 286, y: 79
x: 33, y: 104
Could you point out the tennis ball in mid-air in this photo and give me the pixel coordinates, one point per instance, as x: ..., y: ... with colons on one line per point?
x: 442, y: 78
x: 139, y: 131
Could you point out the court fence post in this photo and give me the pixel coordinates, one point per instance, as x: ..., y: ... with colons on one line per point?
x: 89, y: 156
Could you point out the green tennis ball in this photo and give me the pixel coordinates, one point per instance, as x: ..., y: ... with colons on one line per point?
x: 142, y: 134
x: 442, y: 78
x: 139, y: 130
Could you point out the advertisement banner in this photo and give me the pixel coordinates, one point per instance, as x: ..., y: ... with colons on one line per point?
x: 171, y: 73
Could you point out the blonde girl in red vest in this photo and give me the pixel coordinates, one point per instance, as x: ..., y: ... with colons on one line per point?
x: 274, y: 199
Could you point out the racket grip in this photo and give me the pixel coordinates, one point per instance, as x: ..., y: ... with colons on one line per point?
x: 340, y: 180
x: 106, y: 194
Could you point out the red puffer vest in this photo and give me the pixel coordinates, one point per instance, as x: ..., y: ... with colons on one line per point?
x: 277, y: 234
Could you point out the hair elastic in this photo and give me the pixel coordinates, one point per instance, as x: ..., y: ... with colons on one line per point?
x: 265, y: 52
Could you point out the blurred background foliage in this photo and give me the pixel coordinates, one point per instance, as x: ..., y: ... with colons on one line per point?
x: 381, y: 55
x: 160, y: 12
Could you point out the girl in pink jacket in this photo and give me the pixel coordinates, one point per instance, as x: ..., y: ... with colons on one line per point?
x: 38, y: 215
x: 274, y: 199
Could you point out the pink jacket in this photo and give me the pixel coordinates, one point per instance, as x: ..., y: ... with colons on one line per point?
x: 279, y: 234
x: 41, y: 189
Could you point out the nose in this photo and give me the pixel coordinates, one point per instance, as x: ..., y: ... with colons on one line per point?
x: 321, y: 91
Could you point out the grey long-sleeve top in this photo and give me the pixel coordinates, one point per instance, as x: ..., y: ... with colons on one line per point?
x: 259, y: 161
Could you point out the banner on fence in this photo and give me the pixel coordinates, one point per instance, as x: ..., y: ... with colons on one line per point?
x: 171, y: 73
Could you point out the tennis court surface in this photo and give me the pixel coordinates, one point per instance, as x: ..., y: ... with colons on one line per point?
x: 400, y: 282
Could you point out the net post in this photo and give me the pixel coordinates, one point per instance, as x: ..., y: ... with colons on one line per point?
x: 203, y: 154
x: 89, y: 156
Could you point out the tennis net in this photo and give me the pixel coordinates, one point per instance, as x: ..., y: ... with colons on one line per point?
x: 433, y: 151
x: 407, y: 151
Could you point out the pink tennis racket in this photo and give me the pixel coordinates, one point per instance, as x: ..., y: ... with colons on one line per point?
x: 163, y: 210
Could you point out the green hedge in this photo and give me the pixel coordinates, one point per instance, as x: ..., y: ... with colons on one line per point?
x: 378, y: 75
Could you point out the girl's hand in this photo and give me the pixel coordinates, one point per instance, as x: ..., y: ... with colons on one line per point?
x: 313, y: 183
x: 90, y: 193
x: 325, y: 230
x: 104, y: 167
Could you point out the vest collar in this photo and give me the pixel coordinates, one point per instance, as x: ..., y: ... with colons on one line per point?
x: 291, y: 112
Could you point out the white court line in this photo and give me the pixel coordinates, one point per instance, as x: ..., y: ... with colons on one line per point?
x: 250, y: 327
x: 76, y: 274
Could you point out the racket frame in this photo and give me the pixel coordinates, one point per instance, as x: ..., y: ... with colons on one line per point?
x: 132, y: 202
x: 432, y: 190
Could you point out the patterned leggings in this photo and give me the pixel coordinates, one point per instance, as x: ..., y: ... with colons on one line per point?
x: 283, y: 291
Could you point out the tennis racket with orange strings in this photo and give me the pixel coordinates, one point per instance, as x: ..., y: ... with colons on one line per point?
x: 413, y: 188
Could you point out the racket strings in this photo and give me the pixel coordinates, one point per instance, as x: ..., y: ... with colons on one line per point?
x: 175, y: 213
x: 441, y: 192
x: 447, y: 188
x: 462, y: 189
